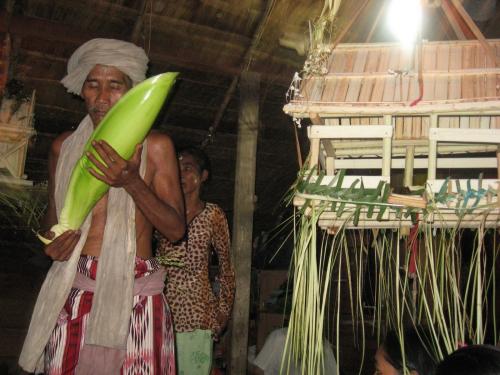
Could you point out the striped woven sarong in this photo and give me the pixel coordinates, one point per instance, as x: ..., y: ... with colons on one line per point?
x: 150, y: 344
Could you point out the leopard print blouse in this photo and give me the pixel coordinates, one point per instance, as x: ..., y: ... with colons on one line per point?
x: 188, y: 290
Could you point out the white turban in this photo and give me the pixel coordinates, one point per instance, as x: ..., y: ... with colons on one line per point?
x: 127, y: 57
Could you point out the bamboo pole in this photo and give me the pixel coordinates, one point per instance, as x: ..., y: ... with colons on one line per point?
x: 330, y: 165
x: 297, y: 146
x: 355, y: 109
x: 386, y: 163
x: 313, y: 162
x: 420, y: 163
x: 431, y: 174
x: 353, y: 19
x: 428, y: 73
x: 454, y: 23
x: 498, y: 162
x: 409, y: 164
x: 244, y: 194
x: 475, y: 30
x: 407, y: 200
x: 362, y: 148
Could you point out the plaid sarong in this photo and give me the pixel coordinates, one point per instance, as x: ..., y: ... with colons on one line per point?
x: 150, y: 343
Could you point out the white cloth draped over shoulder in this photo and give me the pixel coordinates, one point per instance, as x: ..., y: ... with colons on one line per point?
x: 113, y: 299
x: 112, y: 303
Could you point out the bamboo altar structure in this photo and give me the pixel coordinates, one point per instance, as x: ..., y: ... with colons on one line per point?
x: 378, y: 107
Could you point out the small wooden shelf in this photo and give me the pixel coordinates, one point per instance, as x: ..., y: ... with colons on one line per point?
x: 15, y: 132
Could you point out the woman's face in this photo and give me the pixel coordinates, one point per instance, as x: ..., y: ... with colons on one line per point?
x: 382, y: 366
x: 191, y: 178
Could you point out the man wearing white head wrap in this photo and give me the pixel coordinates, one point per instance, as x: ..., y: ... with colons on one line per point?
x: 101, y: 309
x: 125, y: 56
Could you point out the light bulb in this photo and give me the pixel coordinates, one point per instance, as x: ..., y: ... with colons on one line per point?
x: 404, y: 20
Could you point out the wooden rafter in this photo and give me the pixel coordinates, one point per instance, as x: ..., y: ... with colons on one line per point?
x: 244, y: 67
x: 457, y: 24
x: 138, y: 26
x: 475, y: 30
x: 24, y: 26
x: 228, y: 7
x: 465, y: 27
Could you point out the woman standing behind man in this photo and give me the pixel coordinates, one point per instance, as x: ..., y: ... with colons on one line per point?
x: 199, y: 314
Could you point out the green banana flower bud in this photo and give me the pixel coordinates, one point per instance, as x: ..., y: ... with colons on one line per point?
x: 125, y: 125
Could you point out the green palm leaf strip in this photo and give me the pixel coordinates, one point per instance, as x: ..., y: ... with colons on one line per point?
x: 451, y: 302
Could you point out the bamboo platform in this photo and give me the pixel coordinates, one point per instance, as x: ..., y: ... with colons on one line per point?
x: 373, y: 110
x: 358, y: 202
x: 378, y: 84
x: 483, y: 212
x: 15, y: 131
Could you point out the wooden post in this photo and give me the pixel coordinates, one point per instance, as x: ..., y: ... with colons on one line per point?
x: 431, y: 172
x: 330, y: 165
x: 387, y: 148
x: 244, y: 190
x: 386, y: 157
x: 314, y: 153
x: 409, y: 165
x: 498, y: 162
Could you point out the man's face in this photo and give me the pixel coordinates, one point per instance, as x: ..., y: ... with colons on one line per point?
x: 104, y: 86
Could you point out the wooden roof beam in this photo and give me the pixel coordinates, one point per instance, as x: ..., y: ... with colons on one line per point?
x: 457, y: 24
x: 245, y: 64
x: 139, y: 15
x: 475, y: 30
x: 166, y: 24
x: 228, y: 7
x: 139, y: 23
x: 91, y: 7
x: 32, y: 27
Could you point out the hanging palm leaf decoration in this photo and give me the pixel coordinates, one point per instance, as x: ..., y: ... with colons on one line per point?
x: 443, y: 291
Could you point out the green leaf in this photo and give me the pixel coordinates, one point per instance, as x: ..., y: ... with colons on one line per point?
x: 340, y: 180
x: 356, y: 215
x: 385, y: 196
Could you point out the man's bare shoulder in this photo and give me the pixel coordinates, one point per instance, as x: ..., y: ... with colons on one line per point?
x: 58, y: 141
x: 159, y: 142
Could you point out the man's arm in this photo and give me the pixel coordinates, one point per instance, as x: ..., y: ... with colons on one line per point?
x: 62, y: 247
x: 161, y: 203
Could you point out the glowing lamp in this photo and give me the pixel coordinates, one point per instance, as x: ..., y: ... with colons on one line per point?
x: 404, y: 20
